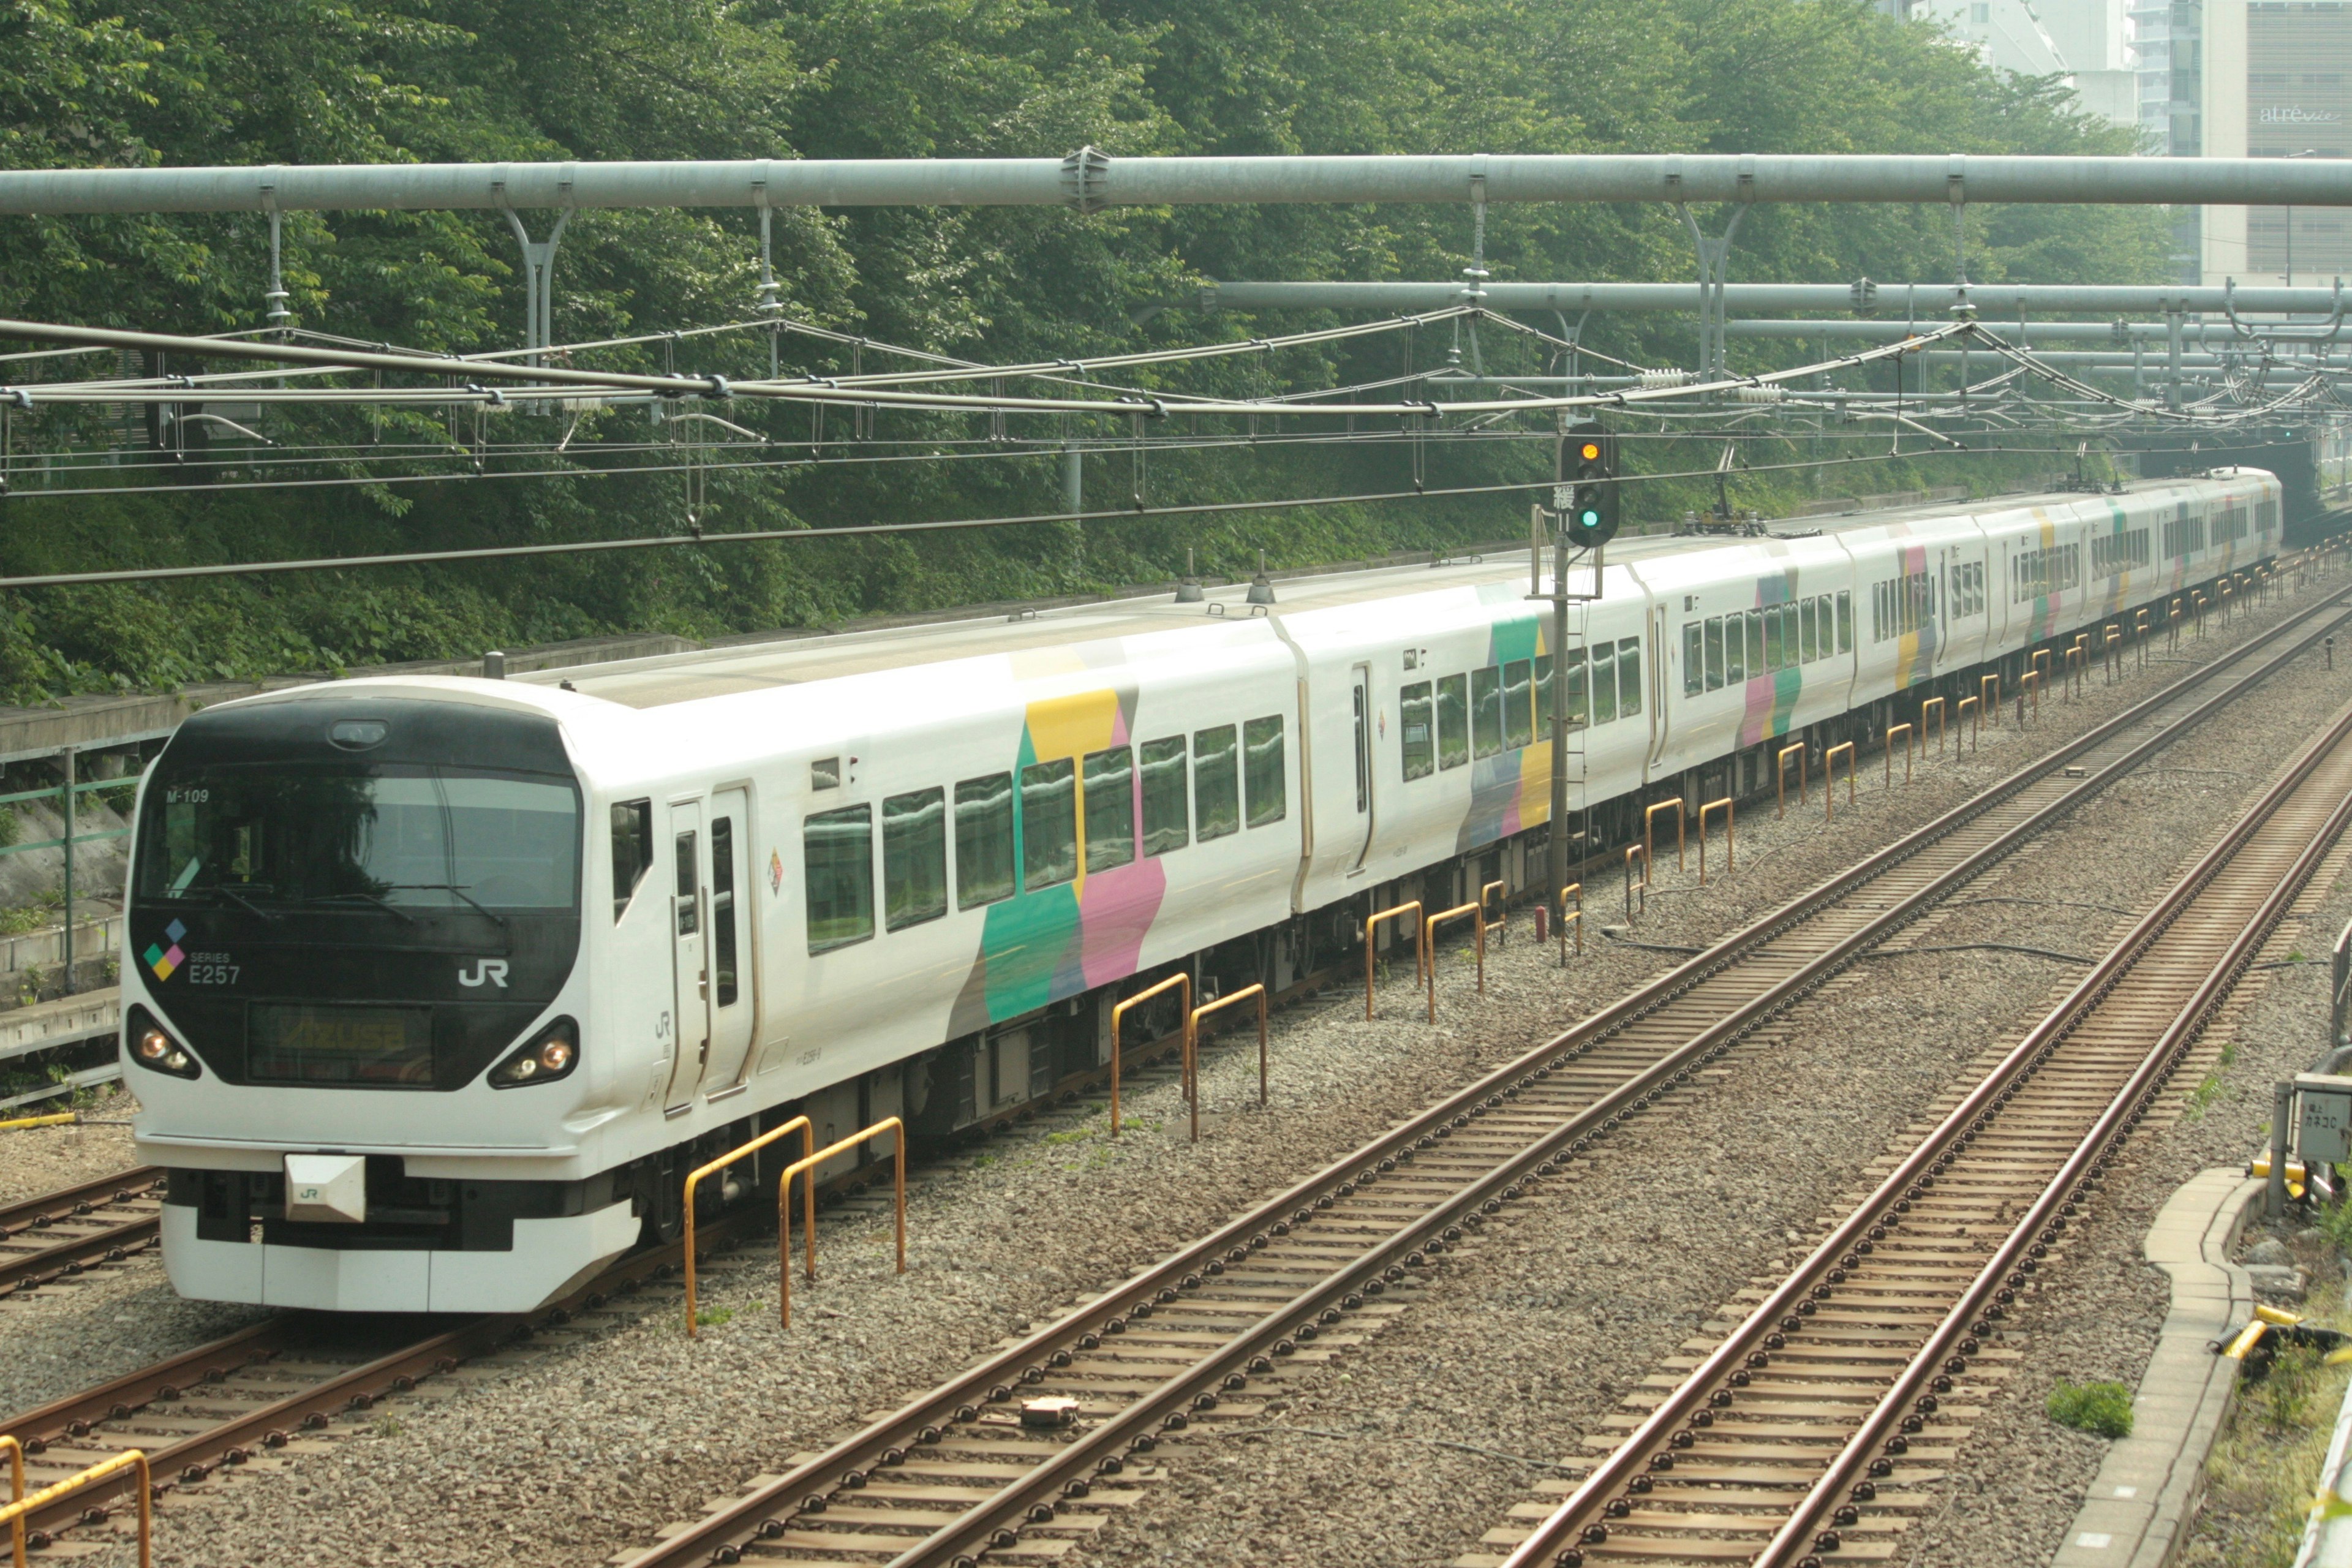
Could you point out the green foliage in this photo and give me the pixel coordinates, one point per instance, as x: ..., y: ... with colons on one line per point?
x: 2104, y: 1409
x: 241, y: 82
x: 709, y: 1317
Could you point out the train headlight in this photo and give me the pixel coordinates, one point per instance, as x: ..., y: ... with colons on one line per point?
x: 152, y: 1046
x: 551, y: 1054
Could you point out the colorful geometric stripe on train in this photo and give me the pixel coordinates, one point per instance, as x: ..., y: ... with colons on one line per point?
x: 1510, y: 791
x: 1039, y: 946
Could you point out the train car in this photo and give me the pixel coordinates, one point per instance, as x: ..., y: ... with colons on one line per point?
x: 434, y: 988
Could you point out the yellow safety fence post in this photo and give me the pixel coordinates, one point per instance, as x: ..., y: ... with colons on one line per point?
x: 808, y: 1141
x: 2197, y: 613
x: 2139, y: 639
x: 2115, y: 654
x: 2042, y: 662
x: 2073, y: 673
x: 15, y: 1492
x: 1729, y: 833
x: 1905, y: 730
x: 1780, y: 779
x: 13, y: 1514
x: 1649, y: 855
x: 1635, y: 852
x: 1937, y: 705
x: 1193, y: 1044
x: 1429, y: 935
x: 1118, y: 1014
x: 1500, y: 920
x: 888, y: 1124
x: 1961, y: 732
x: 1564, y: 917
x: 1829, y: 780
x: 1419, y: 953
x: 2172, y: 625
x: 2031, y: 685
x: 1988, y: 697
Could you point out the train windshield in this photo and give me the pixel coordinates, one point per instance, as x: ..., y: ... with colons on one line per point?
x: 385, y: 837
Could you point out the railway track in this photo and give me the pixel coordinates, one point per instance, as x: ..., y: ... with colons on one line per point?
x: 60, y: 1233
x: 972, y: 1467
x: 1801, y: 1437
x: 265, y: 1387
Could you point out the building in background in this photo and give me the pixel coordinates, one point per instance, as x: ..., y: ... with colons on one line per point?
x: 2251, y: 79
x: 2087, y: 42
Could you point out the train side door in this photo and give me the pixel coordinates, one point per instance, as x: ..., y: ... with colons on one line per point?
x: 690, y: 953
x: 733, y: 966
x: 1362, y: 680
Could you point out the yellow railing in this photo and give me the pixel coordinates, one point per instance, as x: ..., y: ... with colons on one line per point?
x: 1649, y: 816
x: 1419, y: 951
x: 1566, y: 916
x: 1905, y: 731
x: 1635, y: 852
x: 1503, y: 918
x: 1729, y: 830
x: 2031, y: 682
x: 808, y: 1141
x: 1961, y: 731
x: 1988, y: 697
x: 1829, y: 780
x: 1193, y: 1044
x: 809, y: 1163
x: 1780, y: 778
x: 13, y: 1516
x: 1936, y: 706
x: 1429, y: 945
x: 1118, y: 1016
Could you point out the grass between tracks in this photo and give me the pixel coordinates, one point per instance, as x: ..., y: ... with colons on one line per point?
x: 2261, y: 1479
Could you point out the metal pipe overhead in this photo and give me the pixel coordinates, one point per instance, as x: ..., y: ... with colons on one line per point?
x: 1089, y: 180
x: 2216, y: 332
x: 1920, y: 301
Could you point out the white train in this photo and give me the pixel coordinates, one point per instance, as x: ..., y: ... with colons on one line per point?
x: 432, y: 988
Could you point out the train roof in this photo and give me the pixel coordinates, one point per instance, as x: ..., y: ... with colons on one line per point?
x: 661, y: 679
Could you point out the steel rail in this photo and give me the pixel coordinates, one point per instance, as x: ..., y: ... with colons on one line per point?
x: 1579, y: 1519
x: 2007, y: 1267
x: 27, y: 1224
x: 270, y: 1425
x: 1089, y: 180
x: 724, y: 1533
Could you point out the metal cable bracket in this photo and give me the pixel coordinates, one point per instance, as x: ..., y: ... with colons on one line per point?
x: 1086, y: 176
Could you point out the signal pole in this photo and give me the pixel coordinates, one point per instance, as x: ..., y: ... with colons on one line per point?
x: 1581, y: 518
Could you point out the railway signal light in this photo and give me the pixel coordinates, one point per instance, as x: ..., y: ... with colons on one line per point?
x: 1592, y: 514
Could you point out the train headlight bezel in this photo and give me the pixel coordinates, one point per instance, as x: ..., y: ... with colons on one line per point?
x: 156, y: 1048
x: 551, y: 1054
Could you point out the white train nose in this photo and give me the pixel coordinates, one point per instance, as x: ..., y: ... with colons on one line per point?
x: 326, y: 1187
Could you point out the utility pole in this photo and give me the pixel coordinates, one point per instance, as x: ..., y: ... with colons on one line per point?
x: 1581, y: 518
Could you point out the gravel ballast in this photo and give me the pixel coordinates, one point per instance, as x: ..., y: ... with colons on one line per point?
x: 586, y: 1443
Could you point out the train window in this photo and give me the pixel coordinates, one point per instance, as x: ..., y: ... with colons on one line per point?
x: 1805, y: 631
x: 1452, y: 720
x: 1486, y: 711
x: 837, y: 850
x: 1579, y: 711
x: 1695, y: 655
x: 722, y: 911
x: 1706, y: 672
x: 1629, y: 677
x: 689, y: 909
x: 914, y: 858
x: 1518, y: 705
x: 1604, y: 682
x: 1216, y: 782
x: 1167, y: 816
x: 1049, y: 824
x: 1269, y: 790
x: 632, y: 849
x: 1735, y: 650
x: 1755, y: 661
x: 1776, y: 656
x: 1845, y: 621
x: 1544, y: 698
x: 825, y: 773
x: 1417, y: 714
x: 1110, y: 808
x: 983, y: 829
